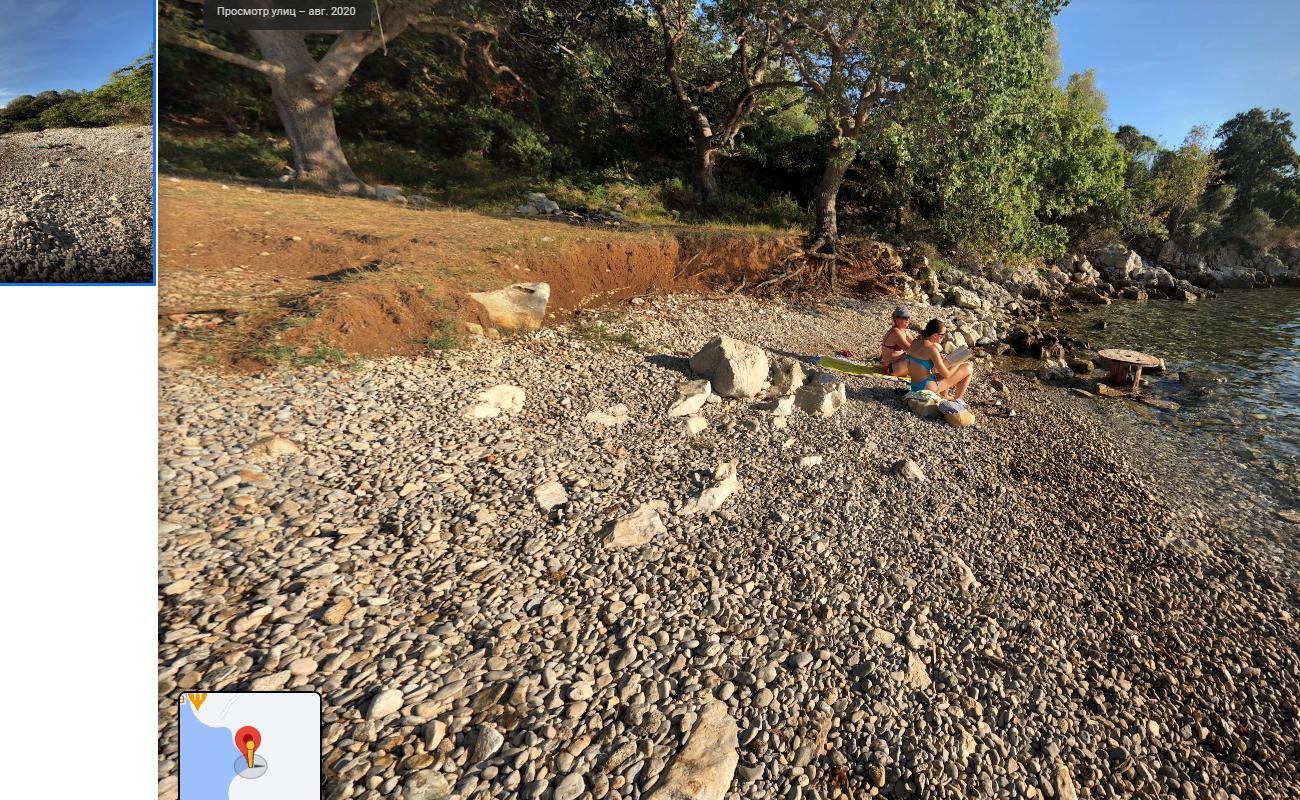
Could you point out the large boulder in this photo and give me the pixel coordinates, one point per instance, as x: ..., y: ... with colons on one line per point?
x: 734, y: 368
x: 704, y: 767
x: 822, y: 397
x: 1271, y: 265
x: 537, y: 203
x: 1170, y: 255
x: 520, y: 306
x: 1120, y: 262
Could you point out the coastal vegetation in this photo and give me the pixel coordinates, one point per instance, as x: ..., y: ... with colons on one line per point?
x: 126, y: 99
x: 951, y: 124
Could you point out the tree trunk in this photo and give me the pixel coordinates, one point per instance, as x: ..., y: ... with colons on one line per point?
x: 304, y: 95
x: 704, y: 174
x: 825, y: 228
x: 308, y: 120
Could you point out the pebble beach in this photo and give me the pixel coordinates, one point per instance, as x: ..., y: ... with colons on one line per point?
x: 558, y: 600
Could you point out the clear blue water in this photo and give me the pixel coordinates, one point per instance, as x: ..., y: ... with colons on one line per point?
x: 1250, y: 337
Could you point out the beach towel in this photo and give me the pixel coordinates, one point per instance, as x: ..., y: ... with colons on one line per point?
x: 855, y: 368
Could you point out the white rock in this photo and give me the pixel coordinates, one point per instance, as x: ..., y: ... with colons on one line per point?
x: 918, y: 677
x: 704, y: 767
x: 384, y: 703
x: 810, y: 461
x: 695, y: 424
x: 822, y: 397
x: 966, y: 746
x: 610, y: 417
x: 691, y: 396
x: 968, y: 581
x: 580, y: 691
x: 492, y: 402
x: 427, y: 784
x: 550, y: 494
x: 963, y: 298
x: 434, y: 732
x: 271, y: 683
x: 734, y: 368
x: 273, y: 447
x: 909, y: 469
x: 1065, y: 783
x: 570, y: 788
x: 520, y: 306
x: 709, y: 500
x: 639, y: 527
x: 486, y: 744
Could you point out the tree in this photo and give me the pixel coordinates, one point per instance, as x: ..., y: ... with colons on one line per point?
x: 736, y: 52
x: 957, y: 58
x: 1257, y: 155
x: 1181, y: 178
x: 1081, y: 172
x: 304, y: 85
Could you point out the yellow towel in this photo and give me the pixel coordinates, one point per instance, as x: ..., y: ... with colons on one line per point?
x: 856, y: 368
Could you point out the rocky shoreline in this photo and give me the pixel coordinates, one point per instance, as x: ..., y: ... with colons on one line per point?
x: 1009, y: 309
x: 556, y: 599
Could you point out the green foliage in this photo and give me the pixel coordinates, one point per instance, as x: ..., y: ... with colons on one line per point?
x: 1258, y: 157
x: 1081, y: 174
x: 127, y: 98
x: 982, y: 146
x: 259, y: 158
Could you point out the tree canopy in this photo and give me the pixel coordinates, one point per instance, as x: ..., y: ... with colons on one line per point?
x: 127, y: 98
x: 945, y: 121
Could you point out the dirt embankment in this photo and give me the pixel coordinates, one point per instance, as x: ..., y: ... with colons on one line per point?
x: 76, y: 206
x: 249, y: 275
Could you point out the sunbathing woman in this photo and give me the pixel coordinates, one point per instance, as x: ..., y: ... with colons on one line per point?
x: 928, y: 370
x: 893, y: 350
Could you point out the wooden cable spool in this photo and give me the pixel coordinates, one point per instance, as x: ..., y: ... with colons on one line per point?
x: 1126, y: 366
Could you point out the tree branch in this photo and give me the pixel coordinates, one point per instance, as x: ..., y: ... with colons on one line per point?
x: 185, y: 40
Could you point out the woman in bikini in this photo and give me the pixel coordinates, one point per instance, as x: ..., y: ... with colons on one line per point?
x: 927, y: 369
x: 893, y: 350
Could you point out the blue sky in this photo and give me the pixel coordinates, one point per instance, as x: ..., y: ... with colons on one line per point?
x: 1167, y: 65
x: 69, y: 44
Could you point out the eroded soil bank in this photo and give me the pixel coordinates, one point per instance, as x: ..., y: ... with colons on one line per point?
x: 249, y: 275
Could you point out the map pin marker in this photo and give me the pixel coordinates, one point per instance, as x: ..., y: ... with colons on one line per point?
x: 197, y: 699
x: 247, y: 739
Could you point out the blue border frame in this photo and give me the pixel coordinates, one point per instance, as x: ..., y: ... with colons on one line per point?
x: 154, y: 280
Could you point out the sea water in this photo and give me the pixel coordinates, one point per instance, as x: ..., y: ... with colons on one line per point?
x: 1250, y: 337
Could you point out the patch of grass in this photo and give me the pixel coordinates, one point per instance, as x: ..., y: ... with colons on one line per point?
x: 601, y: 336
x: 260, y: 158
x: 197, y: 334
x: 288, y: 355
x: 446, y: 337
